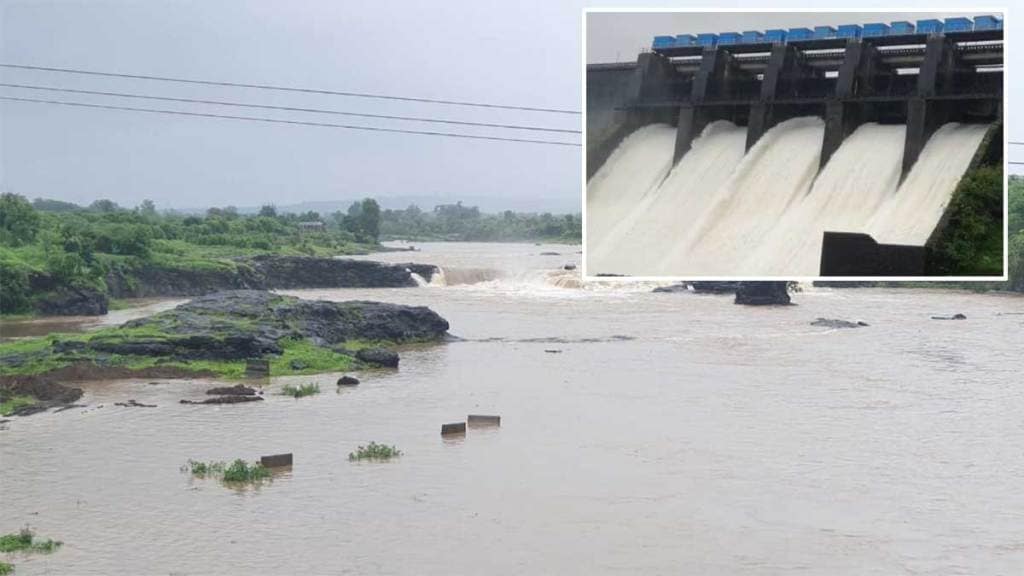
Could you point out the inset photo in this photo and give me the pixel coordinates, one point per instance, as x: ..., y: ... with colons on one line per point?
x: 786, y: 145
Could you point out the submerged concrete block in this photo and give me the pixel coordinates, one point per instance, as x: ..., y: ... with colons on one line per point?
x: 483, y: 420
x: 852, y: 254
x: 453, y: 428
x: 276, y: 460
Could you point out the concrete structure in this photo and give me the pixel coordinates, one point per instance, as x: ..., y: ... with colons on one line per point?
x: 847, y: 80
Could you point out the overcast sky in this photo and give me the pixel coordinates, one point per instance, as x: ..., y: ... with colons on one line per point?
x: 518, y: 53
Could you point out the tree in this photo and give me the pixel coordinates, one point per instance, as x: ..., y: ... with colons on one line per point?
x: 268, y: 211
x: 147, y: 208
x: 363, y: 220
x: 19, y: 221
x: 104, y: 206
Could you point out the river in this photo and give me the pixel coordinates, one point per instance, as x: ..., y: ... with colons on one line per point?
x: 641, y: 433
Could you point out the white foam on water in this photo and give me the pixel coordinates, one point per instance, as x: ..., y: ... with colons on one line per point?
x: 912, y: 214
x: 859, y: 177
x: 777, y: 171
x: 637, y: 165
x: 639, y: 240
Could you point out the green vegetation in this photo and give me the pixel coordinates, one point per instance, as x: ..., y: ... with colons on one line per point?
x: 304, y: 357
x: 58, y: 244
x: 25, y: 541
x: 300, y: 391
x: 239, y: 471
x: 972, y: 241
x: 9, y: 405
x: 6, y: 568
x: 456, y: 222
x: 374, y: 451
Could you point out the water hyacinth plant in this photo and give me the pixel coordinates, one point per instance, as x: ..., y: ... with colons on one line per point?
x: 374, y: 451
x: 24, y: 541
x: 238, y: 471
x: 300, y: 391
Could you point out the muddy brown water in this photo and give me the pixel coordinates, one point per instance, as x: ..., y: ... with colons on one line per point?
x: 673, y: 434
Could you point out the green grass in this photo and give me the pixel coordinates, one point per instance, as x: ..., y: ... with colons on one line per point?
x: 239, y: 471
x: 304, y: 357
x: 300, y: 391
x: 25, y: 541
x: 6, y: 568
x: 8, y: 406
x: 374, y: 451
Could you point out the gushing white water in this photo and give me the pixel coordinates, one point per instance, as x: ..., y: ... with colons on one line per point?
x: 720, y: 213
x: 910, y: 216
x: 777, y: 171
x: 657, y: 219
x: 861, y: 175
x: 636, y: 166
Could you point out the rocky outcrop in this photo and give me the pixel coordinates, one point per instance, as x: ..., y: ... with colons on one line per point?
x: 266, y: 272
x: 347, y: 380
x: 762, y: 294
x: 250, y: 325
x: 72, y: 302
x: 957, y: 316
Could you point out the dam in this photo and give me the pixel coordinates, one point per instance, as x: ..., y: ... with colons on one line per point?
x: 799, y: 152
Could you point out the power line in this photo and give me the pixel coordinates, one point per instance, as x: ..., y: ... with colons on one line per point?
x: 293, y: 122
x: 288, y: 89
x: 290, y: 108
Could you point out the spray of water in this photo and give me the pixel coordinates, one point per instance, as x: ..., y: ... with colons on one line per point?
x: 722, y: 213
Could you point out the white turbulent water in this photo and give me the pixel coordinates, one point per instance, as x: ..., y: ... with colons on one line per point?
x: 637, y: 166
x: 910, y: 216
x: 652, y: 222
x: 723, y: 213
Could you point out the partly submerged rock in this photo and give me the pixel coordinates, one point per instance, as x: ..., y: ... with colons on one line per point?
x: 236, y: 390
x: 762, y: 294
x: 133, y: 404
x: 378, y: 356
x: 672, y: 288
x: 957, y: 316
x: 835, y: 323
x: 347, y: 380
x: 47, y: 393
x: 226, y: 400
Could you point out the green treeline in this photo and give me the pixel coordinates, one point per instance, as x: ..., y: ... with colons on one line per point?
x: 455, y: 222
x: 54, y: 243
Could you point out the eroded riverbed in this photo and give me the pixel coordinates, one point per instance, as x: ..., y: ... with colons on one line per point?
x: 669, y: 433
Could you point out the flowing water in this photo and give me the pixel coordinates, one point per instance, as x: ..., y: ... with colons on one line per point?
x: 641, y: 433
x: 721, y: 212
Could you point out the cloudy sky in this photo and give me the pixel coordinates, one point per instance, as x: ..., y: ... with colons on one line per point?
x: 518, y: 53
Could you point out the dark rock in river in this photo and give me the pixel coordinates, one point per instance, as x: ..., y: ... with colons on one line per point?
x: 226, y: 400
x: 569, y: 267
x: 236, y: 390
x: 834, y: 323
x: 953, y: 317
x: 348, y: 381
x: 253, y: 322
x: 378, y: 356
x: 72, y: 302
x: 549, y: 253
x: 762, y: 293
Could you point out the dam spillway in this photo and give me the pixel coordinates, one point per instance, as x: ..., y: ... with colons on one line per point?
x: 779, y: 144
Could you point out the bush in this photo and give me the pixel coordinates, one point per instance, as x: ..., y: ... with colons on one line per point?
x: 238, y: 471
x: 374, y: 451
x: 24, y: 541
x: 19, y: 221
x: 16, y: 292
